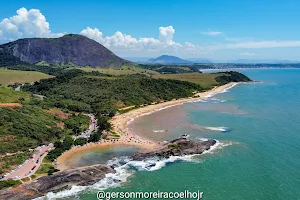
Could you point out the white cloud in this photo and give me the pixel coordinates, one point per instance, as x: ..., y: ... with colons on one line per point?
x: 123, y: 43
x: 212, y: 33
x: 27, y: 23
x: 32, y: 23
x: 94, y: 34
x: 247, y: 54
x: 166, y: 34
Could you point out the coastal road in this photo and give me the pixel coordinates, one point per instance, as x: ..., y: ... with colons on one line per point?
x: 92, y: 127
x: 31, y: 165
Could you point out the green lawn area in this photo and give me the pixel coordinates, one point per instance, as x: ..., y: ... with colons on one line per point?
x: 44, y: 168
x: 206, y: 80
x: 8, y: 95
x: 125, y: 70
x: 13, y: 76
x: 9, y: 183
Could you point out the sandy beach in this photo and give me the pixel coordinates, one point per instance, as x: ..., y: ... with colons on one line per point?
x: 119, y: 124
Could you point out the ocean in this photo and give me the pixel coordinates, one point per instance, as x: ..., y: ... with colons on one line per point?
x: 258, y: 151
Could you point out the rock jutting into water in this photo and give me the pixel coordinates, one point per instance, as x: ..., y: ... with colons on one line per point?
x: 177, y: 147
x: 89, y: 175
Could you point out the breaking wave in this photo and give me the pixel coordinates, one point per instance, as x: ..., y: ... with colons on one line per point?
x: 227, y: 89
x: 215, y: 100
x: 159, y: 131
x: 125, y: 167
x: 221, y: 128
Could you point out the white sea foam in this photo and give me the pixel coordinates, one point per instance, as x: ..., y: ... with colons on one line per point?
x: 221, y: 128
x: 202, y: 139
x: 223, y: 91
x: 215, y: 100
x: 125, y: 167
x: 159, y: 131
x: 227, y: 89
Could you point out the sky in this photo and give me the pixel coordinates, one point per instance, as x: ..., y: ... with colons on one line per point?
x: 215, y: 29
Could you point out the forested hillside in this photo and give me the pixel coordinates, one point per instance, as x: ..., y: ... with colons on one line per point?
x: 30, y: 126
x: 232, y: 76
x: 78, y: 91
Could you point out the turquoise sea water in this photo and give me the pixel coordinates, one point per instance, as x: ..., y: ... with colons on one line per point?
x: 259, y: 154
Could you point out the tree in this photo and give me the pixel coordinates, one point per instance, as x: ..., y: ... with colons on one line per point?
x: 95, y: 137
x: 103, y: 123
x: 68, y: 142
x: 58, y: 144
x: 80, y: 141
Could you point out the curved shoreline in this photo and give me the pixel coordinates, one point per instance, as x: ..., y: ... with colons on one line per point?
x: 119, y: 125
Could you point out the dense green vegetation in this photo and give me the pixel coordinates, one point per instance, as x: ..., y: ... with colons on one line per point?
x: 77, y: 123
x: 80, y: 141
x: 9, y: 183
x: 29, y: 126
x: 232, y: 76
x: 95, y: 137
x: 77, y: 92
x: 26, y: 127
x: 60, y: 147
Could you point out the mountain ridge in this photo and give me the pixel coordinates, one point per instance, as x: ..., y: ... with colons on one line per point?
x: 77, y: 49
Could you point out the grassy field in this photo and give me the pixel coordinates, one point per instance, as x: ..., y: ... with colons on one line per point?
x: 13, y: 76
x: 206, y: 80
x: 8, y: 95
x: 125, y: 70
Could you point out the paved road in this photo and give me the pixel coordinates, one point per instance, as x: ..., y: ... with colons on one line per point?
x: 31, y: 165
x: 92, y: 127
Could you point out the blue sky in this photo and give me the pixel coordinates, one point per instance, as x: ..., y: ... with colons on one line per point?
x: 215, y: 29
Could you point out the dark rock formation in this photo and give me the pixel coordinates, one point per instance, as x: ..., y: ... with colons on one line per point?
x: 73, y: 48
x: 177, y: 147
x: 56, y: 182
x: 92, y: 174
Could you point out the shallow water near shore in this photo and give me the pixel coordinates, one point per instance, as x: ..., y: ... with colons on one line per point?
x: 258, y: 127
x: 99, y: 156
